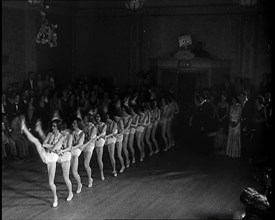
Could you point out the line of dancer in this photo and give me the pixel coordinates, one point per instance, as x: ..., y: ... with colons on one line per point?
x: 130, y: 130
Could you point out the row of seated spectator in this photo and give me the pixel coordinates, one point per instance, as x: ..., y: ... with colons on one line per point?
x: 40, y: 98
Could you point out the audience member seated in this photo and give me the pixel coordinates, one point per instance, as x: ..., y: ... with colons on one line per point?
x: 30, y: 83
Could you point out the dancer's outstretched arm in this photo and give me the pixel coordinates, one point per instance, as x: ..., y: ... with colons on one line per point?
x: 69, y: 144
x: 92, y: 138
x: 81, y: 141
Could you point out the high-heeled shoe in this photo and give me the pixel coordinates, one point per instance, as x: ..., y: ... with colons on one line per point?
x: 122, y: 169
x: 79, y: 189
x: 70, y: 197
x: 55, y: 204
x: 90, y: 183
x: 114, y: 173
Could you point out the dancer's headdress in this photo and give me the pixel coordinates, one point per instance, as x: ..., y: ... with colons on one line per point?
x: 56, y: 116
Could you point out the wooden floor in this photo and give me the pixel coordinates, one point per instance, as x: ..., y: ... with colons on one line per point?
x: 177, y: 184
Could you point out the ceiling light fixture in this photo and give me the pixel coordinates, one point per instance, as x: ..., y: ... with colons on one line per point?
x: 134, y: 5
x: 248, y: 3
x: 47, y: 31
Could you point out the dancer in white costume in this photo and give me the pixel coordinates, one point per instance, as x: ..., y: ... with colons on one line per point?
x: 140, y: 132
x: 127, y: 120
x: 48, y: 151
x: 90, y: 131
x: 133, y: 126
x: 163, y: 123
x: 155, y: 121
x: 148, y: 128
x: 111, y: 132
x: 119, y: 139
x: 77, y: 147
x: 99, y: 143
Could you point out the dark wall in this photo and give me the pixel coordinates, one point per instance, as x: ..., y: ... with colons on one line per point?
x: 58, y: 59
x: 16, y: 43
x: 102, y: 47
x: 222, y: 35
x: 99, y: 45
x: 219, y: 33
x: 13, y: 50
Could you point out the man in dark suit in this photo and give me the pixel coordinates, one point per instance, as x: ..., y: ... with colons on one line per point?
x: 30, y: 84
x: 246, y: 120
x: 15, y: 108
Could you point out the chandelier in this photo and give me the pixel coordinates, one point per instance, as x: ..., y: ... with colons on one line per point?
x: 47, y: 32
x: 39, y: 3
x: 134, y: 5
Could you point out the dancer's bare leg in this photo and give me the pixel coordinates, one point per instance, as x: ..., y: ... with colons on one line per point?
x: 163, y: 134
x: 138, y: 137
x: 131, y: 146
x: 74, y: 165
x: 41, y: 151
x: 154, y: 130
x: 39, y: 130
x: 111, y: 149
x: 142, y: 143
x: 99, y: 153
x: 87, y: 159
x: 125, y: 150
x: 171, y: 132
x: 168, y: 132
x: 51, y: 173
x: 147, y: 138
x: 66, y: 172
x: 119, y: 149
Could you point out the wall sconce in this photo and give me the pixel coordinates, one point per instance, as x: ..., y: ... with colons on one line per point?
x: 134, y: 5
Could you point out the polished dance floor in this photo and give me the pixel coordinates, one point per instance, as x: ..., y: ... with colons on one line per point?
x: 177, y: 184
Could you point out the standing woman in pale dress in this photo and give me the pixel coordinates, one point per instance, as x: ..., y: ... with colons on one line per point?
x: 233, y: 147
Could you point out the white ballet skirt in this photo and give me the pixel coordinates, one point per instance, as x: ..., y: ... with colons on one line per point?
x: 64, y: 157
x: 100, y: 142
x: 50, y: 157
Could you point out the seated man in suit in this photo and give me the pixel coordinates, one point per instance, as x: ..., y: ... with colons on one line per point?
x: 30, y: 84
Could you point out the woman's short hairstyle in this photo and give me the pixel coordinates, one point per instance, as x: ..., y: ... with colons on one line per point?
x: 79, y: 122
x: 58, y: 123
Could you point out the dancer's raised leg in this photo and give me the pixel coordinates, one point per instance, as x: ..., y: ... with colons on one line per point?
x: 34, y: 140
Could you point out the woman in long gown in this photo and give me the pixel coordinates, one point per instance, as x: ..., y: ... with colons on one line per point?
x: 233, y: 147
